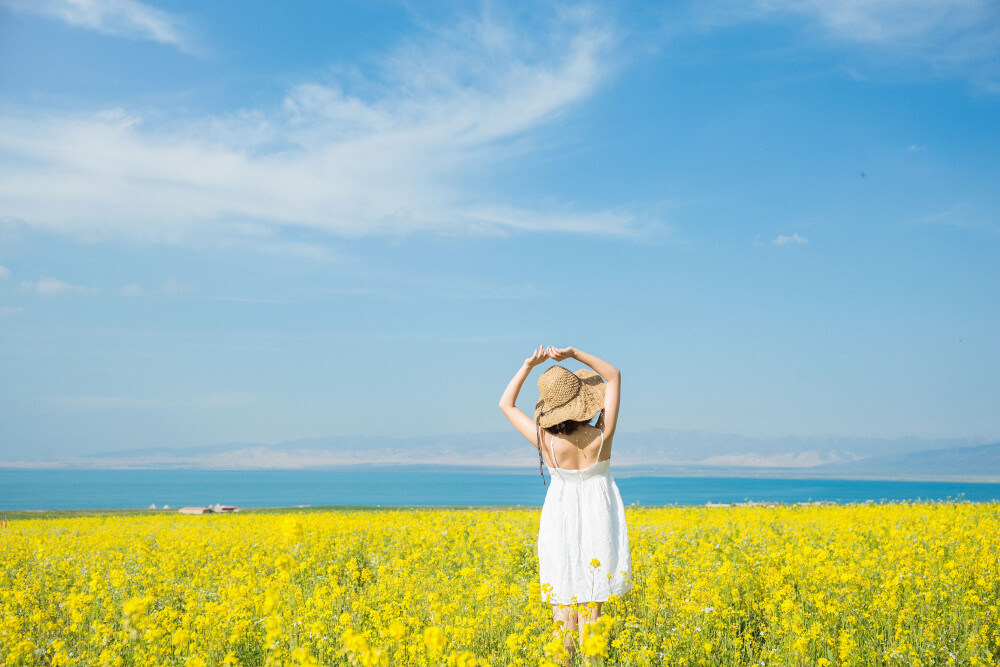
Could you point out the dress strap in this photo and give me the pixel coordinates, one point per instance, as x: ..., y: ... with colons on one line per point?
x: 601, y: 450
x: 552, y: 452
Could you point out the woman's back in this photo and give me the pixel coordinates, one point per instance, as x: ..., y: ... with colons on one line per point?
x: 578, y: 450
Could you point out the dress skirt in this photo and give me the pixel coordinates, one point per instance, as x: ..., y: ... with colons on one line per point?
x: 583, y: 550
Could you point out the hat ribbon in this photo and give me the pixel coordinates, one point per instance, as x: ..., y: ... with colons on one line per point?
x: 579, y: 386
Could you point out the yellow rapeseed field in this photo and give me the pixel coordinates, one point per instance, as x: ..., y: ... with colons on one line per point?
x: 901, y: 584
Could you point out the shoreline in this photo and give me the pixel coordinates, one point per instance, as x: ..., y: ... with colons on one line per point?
x: 146, y: 491
x: 12, y: 515
x: 623, y: 472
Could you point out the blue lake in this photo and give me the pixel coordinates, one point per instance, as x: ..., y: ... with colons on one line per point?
x: 136, y: 489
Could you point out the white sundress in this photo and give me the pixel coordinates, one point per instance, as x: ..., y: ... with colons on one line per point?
x: 583, y: 518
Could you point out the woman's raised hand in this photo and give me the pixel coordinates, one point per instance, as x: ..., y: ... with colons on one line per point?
x: 539, y: 356
x: 559, y: 354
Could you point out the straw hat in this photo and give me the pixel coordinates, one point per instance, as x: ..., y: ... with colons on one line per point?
x: 568, y: 396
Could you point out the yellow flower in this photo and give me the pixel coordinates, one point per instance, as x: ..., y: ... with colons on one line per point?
x: 136, y: 607
x: 434, y: 638
x: 555, y: 648
x: 302, y: 658
x: 284, y: 562
x: 595, y: 637
x: 834, y: 581
x: 594, y: 644
x: 292, y: 530
x: 180, y: 637
x: 397, y: 630
x: 462, y: 659
x: 595, y: 563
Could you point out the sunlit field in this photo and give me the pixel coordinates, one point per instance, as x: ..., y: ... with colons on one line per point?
x: 907, y: 584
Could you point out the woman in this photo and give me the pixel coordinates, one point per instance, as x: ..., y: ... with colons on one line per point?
x: 583, y: 551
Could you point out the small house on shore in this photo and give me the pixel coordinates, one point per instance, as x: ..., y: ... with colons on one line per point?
x: 212, y: 509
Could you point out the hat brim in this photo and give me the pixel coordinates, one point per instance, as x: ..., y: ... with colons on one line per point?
x: 582, y: 408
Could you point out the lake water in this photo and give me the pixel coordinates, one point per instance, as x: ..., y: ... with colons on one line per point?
x: 137, y: 489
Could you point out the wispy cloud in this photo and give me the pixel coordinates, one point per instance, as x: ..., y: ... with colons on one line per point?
x: 54, y: 287
x: 4, y: 273
x: 955, y: 37
x: 7, y: 311
x: 245, y: 299
x: 401, y: 286
x: 916, y: 23
x: 960, y: 216
x: 794, y: 238
x: 172, y: 287
x: 118, y: 18
x: 88, y: 403
x: 392, y: 153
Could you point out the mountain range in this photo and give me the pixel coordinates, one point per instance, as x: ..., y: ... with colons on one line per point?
x: 660, y: 452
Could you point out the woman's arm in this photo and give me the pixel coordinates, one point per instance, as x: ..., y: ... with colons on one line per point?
x: 612, y: 376
x: 522, y: 422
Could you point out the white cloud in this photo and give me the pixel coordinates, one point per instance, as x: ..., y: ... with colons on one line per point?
x: 891, y: 21
x: 954, y: 37
x: 4, y: 273
x: 172, y: 287
x: 794, y: 238
x: 400, y: 154
x: 53, y: 287
x: 118, y: 18
x: 946, y: 216
x: 83, y: 403
x: 960, y: 216
x: 7, y: 311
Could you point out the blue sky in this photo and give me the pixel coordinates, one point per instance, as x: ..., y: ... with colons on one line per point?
x: 281, y: 220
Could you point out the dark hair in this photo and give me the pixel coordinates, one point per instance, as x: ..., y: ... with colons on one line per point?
x: 566, y: 427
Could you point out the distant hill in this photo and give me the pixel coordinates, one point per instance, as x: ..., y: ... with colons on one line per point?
x: 661, y: 452
x: 974, y: 462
